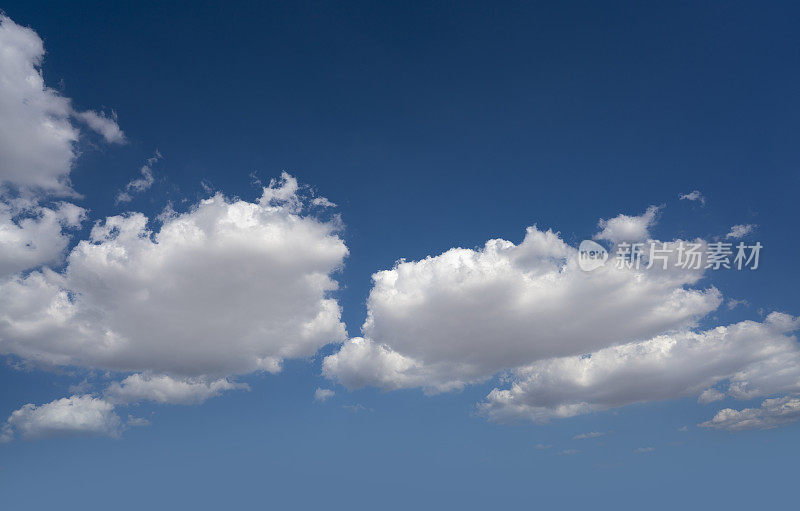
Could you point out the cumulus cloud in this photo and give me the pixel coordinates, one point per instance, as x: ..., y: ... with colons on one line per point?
x: 465, y: 315
x: 322, y: 395
x: 166, y: 390
x: 32, y: 235
x: 73, y: 416
x: 229, y: 287
x: 772, y: 413
x: 752, y: 358
x: 624, y: 228
x: 37, y: 136
x: 740, y: 231
x: 142, y: 183
x: 694, y: 196
x: 37, y: 153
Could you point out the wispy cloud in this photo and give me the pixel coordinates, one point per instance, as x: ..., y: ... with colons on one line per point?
x: 740, y: 231
x: 323, y: 395
x: 591, y: 434
x: 694, y: 196
x: 142, y: 183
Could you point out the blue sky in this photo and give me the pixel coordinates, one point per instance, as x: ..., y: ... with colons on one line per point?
x: 431, y: 127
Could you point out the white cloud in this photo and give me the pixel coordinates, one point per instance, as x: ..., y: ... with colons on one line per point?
x: 105, y: 125
x: 37, y: 137
x: 772, y: 412
x: 624, y: 228
x: 32, y: 235
x: 322, y: 395
x: 229, y: 287
x: 732, y: 303
x: 322, y: 202
x: 166, y: 390
x: 643, y: 450
x: 72, y: 416
x: 740, y: 231
x: 37, y: 152
x: 710, y: 396
x: 142, y: 183
x: 755, y: 359
x: 568, y: 452
x: 694, y: 195
x: 465, y: 315
x: 542, y: 447
x: 591, y: 434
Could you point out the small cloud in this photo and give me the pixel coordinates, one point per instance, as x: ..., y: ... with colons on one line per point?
x: 772, y: 413
x: 73, y: 416
x: 136, y: 422
x: 683, y: 429
x: 357, y: 408
x: 322, y: 202
x: 568, y: 452
x: 642, y: 450
x: 142, y: 183
x: 322, y: 395
x: 80, y: 388
x: 591, y: 434
x: 207, y: 187
x: 542, y: 447
x: 694, y: 196
x: 732, y: 304
x: 624, y: 228
x: 740, y: 231
x: 709, y: 396
x: 105, y: 125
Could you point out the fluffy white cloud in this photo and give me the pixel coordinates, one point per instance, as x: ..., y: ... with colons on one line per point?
x: 624, y: 228
x: 72, y: 416
x: 771, y: 413
x: 142, y: 183
x: 754, y: 359
x: 32, y: 235
x: 465, y: 315
x: 227, y: 288
x: 740, y: 231
x: 166, y: 390
x: 37, y: 136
